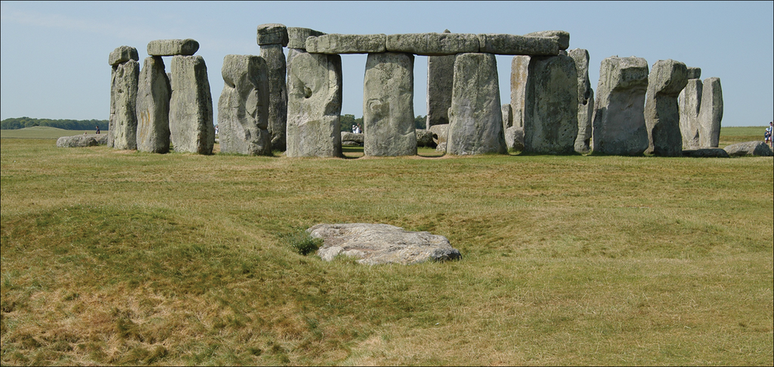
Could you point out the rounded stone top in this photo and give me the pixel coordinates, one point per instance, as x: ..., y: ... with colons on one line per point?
x: 123, y: 54
x: 272, y: 34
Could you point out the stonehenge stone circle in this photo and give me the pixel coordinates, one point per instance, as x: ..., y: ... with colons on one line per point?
x: 689, y: 103
x: 562, y: 37
x: 190, y: 107
x: 122, y: 130
x: 585, y: 100
x: 297, y: 37
x: 172, y: 47
x: 662, y: 116
x: 551, y: 101
x: 433, y: 44
x: 619, y: 119
x: 314, y: 105
x: 77, y: 141
x: 388, y: 105
x: 153, y: 96
x: 272, y: 34
x: 346, y: 43
x: 509, y: 44
x: 710, y: 113
x: 476, y: 122
x: 243, y: 106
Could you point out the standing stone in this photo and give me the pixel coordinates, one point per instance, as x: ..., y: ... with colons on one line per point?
x: 440, y: 77
x: 243, y: 106
x: 551, y: 113
x: 662, y: 116
x: 122, y: 130
x: 519, y: 72
x: 314, y: 105
x: 388, y: 105
x: 278, y: 94
x: 190, y: 108
x: 153, y: 97
x: 585, y: 100
x: 619, y: 118
x: 476, y: 121
x: 710, y: 113
x: 507, y: 115
x: 689, y: 102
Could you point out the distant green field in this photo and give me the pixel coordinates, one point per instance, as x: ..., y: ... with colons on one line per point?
x: 41, y: 132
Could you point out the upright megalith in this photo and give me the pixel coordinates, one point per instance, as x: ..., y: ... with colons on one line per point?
x: 688, y: 104
x: 514, y: 127
x: 710, y: 113
x: 440, y: 78
x: 314, y: 105
x: 551, y: 105
x: 243, y: 106
x: 388, y: 105
x: 190, y: 107
x: 662, y: 117
x: 585, y: 100
x: 124, y: 79
x: 476, y: 122
x: 153, y: 95
x: 272, y: 38
x: 619, y: 117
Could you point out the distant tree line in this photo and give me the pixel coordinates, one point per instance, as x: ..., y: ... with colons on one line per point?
x: 22, y: 122
x: 346, y: 122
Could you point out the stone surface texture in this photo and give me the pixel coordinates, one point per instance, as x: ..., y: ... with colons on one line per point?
x: 297, y: 37
x: 519, y: 72
x: 433, y: 44
x: 388, y: 105
x: 153, y: 95
x: 705, y: 153
x: 425, y: 138
x: 440, y: 133
x: 694, y: 73
x: 507, y: 115
x: 173, y: 47
x: 346, y: 43
x: 562, y: 37
x: 276, y: 69
x: 585, y: 100
x: 551, y: 100
x: 749, y: 148
x: 514, y: 138
x: 619, y: 118
x: 440, y: 78
x: 314, y: 105
x: 509, y: 44
x: 475, y: 118
x: 662, y: 115
x: 122, y: 131
x: 123, y: 54
x: 374, y: 244
x: 351, y: 139
x: 272, y: 34
x: 190, y: 107
x: 77, y: 141
x: 710, y: 113
x: 243, y: 106
x: 688, y: 104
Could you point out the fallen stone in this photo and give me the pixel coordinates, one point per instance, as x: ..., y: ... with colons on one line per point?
x: 101, y: 138
x: 562, y: 37
x: 297, y: 37
x: 425, y: 138
x: 375, y: 244
x: 514, y: 138
x: 173, y: 47
x: 388, y: 105
x: 243, y: 106
x: 153, y: 96
x: 585, y: 100
x: 440, y: 133
x: 750, y: 148
x: 190, y: 108
x: 710, y: 113
x: 346, y: 43
x: 352, y: 137
x: 276, y: 70
x: 551, y: 114
x: 433, y: 44
x: 122, y: 131
x: 77, y: 141
x: 688, y: 104
x: 519, y: 72
x: 662, y: 116
x: 440, y: 78
x: 123, y: 54
x: 705, y: 153
x: 272, y: 34
x: 509, y: 44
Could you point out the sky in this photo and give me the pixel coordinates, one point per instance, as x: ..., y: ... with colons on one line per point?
x: 54, y: 55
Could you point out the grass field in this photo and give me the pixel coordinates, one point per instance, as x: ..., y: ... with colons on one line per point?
x: 41, y: 132
x: 117, y: 257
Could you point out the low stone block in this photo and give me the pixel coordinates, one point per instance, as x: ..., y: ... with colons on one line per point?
x: 706, y: 153
x: 425, y: 138
x: 76, y: 141
x: 272, y: 34
x: 440, y: 133
x: 514, y: 138
x: 750, y: 148
x: 123, y: 54
x: 509, y: 44
x: 297, y: 37
x: 346, y: 43
x: 562, y: 37
x: 433, y: 44
x: 351, y: 139
x: 662, y: 116
x: 173, y: 47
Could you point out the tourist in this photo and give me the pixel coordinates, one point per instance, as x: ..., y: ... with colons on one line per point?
x: 98, y: 130
x: 767, y: 134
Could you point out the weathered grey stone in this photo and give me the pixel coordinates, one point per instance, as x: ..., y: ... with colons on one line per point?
x: 432, y: 44
x: 619, y: 117
x: 376, y: 244
x: 278, y: 94
x: 153, y: 95
x: 689, y: 103
x: 507, y: 115
x: 551, y: 113
x: 190, y: 107
x: 425, y: 138
x: 272, y: 34
x: 351, y: 139
x: 297, y: 37
x: 314, y: 105
x: 388, y: 105
x: 123, y: 54
x: 662, y: 116
x: 440, y: 133
x: 476, y: 122
x: 705, y: 153
x: 346, y: 43
x: 585, y: 100
x: 440, y: 78
x: 710, y: 113
x: 519, y: 72
x: 562, y: 37
x: 509, y: 44
x: 173, y: 47
x: 243, y: 106
x: 122, y: 133
x: 77, y: 141
x: 750, y: 148
x: 694, y: 73
x: 514, y: 138
x: 441, y: 147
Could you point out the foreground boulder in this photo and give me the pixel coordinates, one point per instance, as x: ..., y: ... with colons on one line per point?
x: 381, y: 244
x: 751, y: 148
x: 705, y: 153
x: 79, y: 141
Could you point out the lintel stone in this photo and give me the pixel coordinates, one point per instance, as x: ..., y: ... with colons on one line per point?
x: 123, y: 54
x: 272, y: 34
x: 433, y: 44
x: 173, y: 47
x: 562, y: 37
x: 509, y: 44
x: 297, y: 37
x: 346, y: 43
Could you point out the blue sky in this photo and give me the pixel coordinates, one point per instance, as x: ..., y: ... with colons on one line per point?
x: 54, y: 54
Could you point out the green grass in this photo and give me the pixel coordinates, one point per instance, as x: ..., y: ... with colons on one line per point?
x: 41, y: 132
x: 114, y: 257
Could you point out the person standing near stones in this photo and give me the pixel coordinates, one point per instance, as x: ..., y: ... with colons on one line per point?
x: 97, y: 129
x: 767, y: 134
